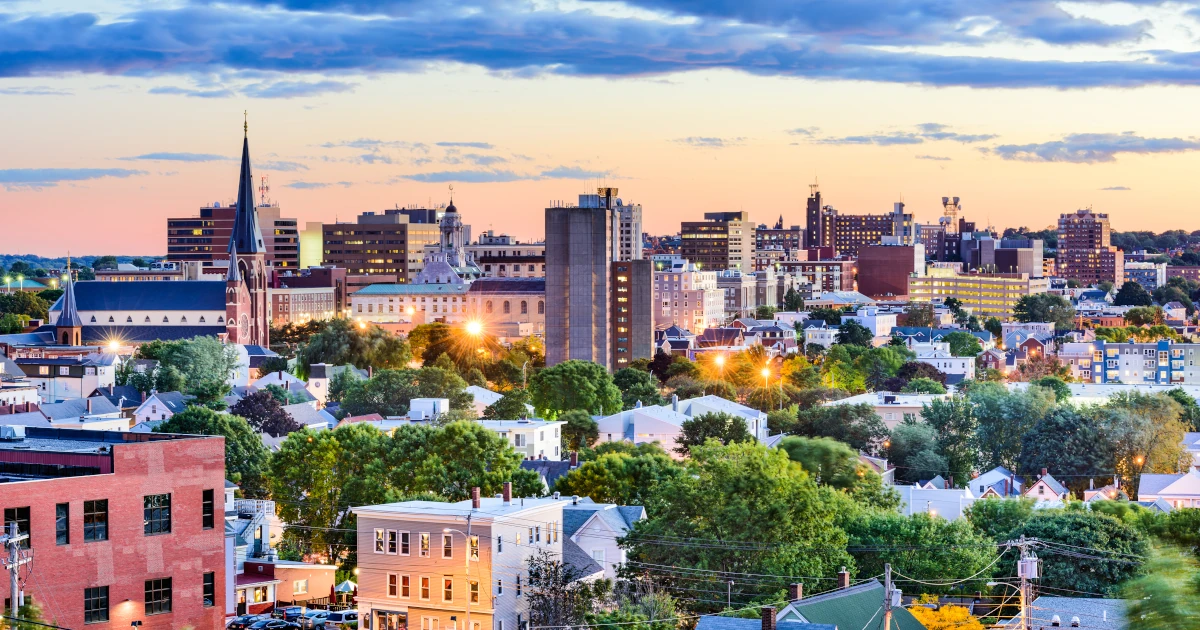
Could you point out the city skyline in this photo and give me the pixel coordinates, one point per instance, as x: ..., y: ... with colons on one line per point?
x: 1023, y: 116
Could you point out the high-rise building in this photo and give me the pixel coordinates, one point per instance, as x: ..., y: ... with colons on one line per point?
x: 816, y: 231
x: 378, y: 245
x: 626, y: 225
x: 632, y: 308
x: 846, y: 233
x: 687, y: 297
x: 579, y: 248
x: 205, y: 237
x: 723, y: 240
x: 281, y: 237
x: 1085, y: 250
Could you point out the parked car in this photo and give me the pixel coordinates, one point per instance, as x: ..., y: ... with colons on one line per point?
x: 244, y: 621
x: 339, y: 619
x: 290, y: 613
x: 274, y: 624
x: 313, y: 619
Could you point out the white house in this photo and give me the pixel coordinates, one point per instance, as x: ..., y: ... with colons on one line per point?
x: 485, y: 398
x: 640, y: 425
x: 596, y: 528
x: 819, y: 333
x: 160, y: 406
x: 427, y: 408
x: 891, y: 407
x: 756, y: 421
x: 1181, y: 490
x: 938, y: 355
x: 998, y: 482
x: 94, y: 414
x: 319, y: 375
x: 283, y: 379
x: 535, y: 439
x: 880, y: 323
x: 948, y: 503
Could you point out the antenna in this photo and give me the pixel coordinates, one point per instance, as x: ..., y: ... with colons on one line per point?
x: 451, y: 194
x: 264, y: 187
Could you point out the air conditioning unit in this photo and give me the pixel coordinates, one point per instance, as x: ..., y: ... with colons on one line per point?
x: 12, y: 432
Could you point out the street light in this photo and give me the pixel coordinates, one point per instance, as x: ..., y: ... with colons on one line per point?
x: 474, y: 328
x: 466, y: 567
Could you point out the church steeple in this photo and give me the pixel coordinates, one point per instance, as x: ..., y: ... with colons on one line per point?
x: 246, y: 232
x: 234, y: 274
x: 69, y: 326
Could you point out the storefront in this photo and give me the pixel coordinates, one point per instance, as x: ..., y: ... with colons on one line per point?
x: 388, y: 620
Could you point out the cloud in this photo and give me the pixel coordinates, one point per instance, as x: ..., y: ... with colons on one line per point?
x: 1091, y: 148
x: 574, y: 172
x: 883, y: 140
x: 372, y: 158
x: 926, y: 131
x: 295, y: 89
x: 467, y: 176
x: 280, y: 165
x: 709, y: 142
x: 804, y: 131
x: 315, y: 185
x: 1116, y: 188
x: 178, y: 157
x: 935, y: 131
x: 936, y: 158
x: 466, y: 145
x: 38, y: 178
x: 194, y: 93
x: 34, y: 91
x: 373, y: 144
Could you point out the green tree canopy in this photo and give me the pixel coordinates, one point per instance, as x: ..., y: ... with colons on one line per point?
x: 722, y: 427
x: 1045, y: 307
x: 923, y: 386
x: 263, y: 412
x: 1071, y: 444
x: 580, y: 430
x: 363, y: 345
x: 1132, y: 294
x: 451, y: 459
x: 922, y: 547
x: 963, y: 344
x: 637, y: 385
x: 854, y: 333
x: 856, y: 425
x: 1117, y: 552
x: 954, y: 422
x: 1004, y: 418
x: 511, y: 406
x: 829, y: 461
x: 245, y: 455
x: 624, y: 478
x: 913, y: 448
x: 999, y: 518
x: 574, y: 385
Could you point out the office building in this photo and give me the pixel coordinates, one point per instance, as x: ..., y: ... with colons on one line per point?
x: 985, y: 294
x: 1085, y: 249
x: 824, y: 275
x: 687, y: 297
x: 281, y: 237
x: 724, y: 240
x: 789, y: 239
x: 378, y: 245
x: 502, y: 256
x: 205, y: 237
x: 632, y: 311
x: 579, y: 250
x: 883, y: 270
x: 845, y: 234
x: 123, y: 529
x: 1149, y: 275
x: 328, y: 280
x: 739, y: 293
x: 312, y: 244
x: 1187, y: 272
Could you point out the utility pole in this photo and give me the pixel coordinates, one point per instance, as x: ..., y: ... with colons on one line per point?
x: 12, y: 540
x: 887, y: 596
x: 1028, y: 568
x: 729, y: 595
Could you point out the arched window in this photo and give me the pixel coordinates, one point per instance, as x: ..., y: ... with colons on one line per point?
x: 541, y: 307
x: 129, y: 319
x: 147, y: 319
x: 94, y: 319
x: 487, y: 306
x: 507, y: 308
x: 110, y: 319
x: 165, y: 320
x: 524, y: 307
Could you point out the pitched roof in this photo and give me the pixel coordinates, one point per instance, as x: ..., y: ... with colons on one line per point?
x: 246, y: 231
x: 549, y: 471
x: 578, y: 559
x: 618, y: 518
x: 69, y: 316
x: 130, y: 393
x: 1052, y: 483
x: 851, y: 608
x: 718, y: 622
x: 508, y: 285
x: 175, y: 402
x: 153, y: 295
x: 306, y: 416
x: 1096, y: 613
x: 78, y: 407
x: 417, y: 289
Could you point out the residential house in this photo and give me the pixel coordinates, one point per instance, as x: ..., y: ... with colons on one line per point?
x: 655, y: 423
x: 818, y: 332
x: 938, y: 355
x: 1174, y: 311
x: 879, y: 466
x: 1111, y: 492
x: 533, y: 439
x: 994, y: 359
x: 320, y: 374
x: 1087, y: 613
x: 549, y: 471
x: 250, y: 527
x: 443, y: 566
x: 998, y: 482
x: 93, y: 414
x: 891, y: 407
x: 264, y: 584
x: 309, y: 418
x: 948, y: 503
x: 1047, y: 489
x: 596, y: 528
x: 64, y: 378
x: 160, y: 406
x: 847, y: 608
x: 756, y: 421
x: 1179, y: 490
x: 879, y: 322
x: 1191, y: 443
x: 915, y: 335
x: 485, y: 398
x: 126, y: 397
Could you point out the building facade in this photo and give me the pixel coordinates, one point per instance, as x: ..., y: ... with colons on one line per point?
x: 632, y: 311
x: 1149, y: 275
x: 826, y: 275
x: 883, y: 270
x: 378, y: 245
x: 205, y: 237
x: 739, y: 291
x: 687, y: 297
x: 578, y: 281
x: 1085, y: 249
x: 123, y: 529
x: 502, y: 256
x: 723, y: 240
x: 326, y: 279
x: 985, y: 294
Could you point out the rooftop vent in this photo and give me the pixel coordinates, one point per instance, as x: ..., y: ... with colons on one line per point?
x: 12, y: 433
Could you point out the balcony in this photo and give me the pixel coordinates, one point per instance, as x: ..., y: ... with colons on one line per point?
x: 254, y: 508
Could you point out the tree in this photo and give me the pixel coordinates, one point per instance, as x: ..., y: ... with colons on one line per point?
x: 856, y: 425
x: 284, y: 396
x: 1167, y: 596
x: 1132, y: 294
x: 574, y: 385
x: 103, y: 262
x: 1145, y: 315
x: 1004, y: 418
x: 913, y: 449
x: 435, y: 382
x: 1117, y: 551
x: 1045, y: 307
x: 945, y: 616
x: 50, y: 295
x: 954, y: 423
x: 1069, y: 443
x: 511, y: 406
x: 1062, y: 391
x: 343, y: 380
x: 722, y: 427
x: 1191, y: 410
x: 11, y: 323
x: 621, y: 478
x: 740, y: 492
x: 245, y: 455
x: 994, y: 326
x: 264, y: 413
x: 203, y: 364
x: 659, y: 364
x: 580, y: 430
x: 928, y: 547
x: 24, y: 303
x: 451, y: 459
x: 387, y: 393
x: 831, y: 316
x: 637, y: 386
x: 558, y: 596
x: 475, y: 377
x: 923, y: 386
x: 273, y: 364
x: 854, y: 333
x: 792, y: 301
x: 343, y: 342
x: 999, y: 518
x: 963, y: 344
x: 1146, y: 434
x: 919, y: 316
x: 764, y: 312
x: 917, y: 369
x: 829, y: 461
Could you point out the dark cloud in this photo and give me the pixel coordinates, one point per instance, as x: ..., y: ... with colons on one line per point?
x: 38, y: 178
x: 502, y: 36
x: 1090, y: 148
x: 166, y: 156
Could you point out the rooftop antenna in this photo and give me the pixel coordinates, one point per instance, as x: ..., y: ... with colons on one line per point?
x: 451, y: 194
x: 264, y: 187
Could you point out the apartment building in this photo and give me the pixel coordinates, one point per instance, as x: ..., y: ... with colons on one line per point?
x: 1162, y: 362
x: 723, y: 240
x: 1085, y: 249
x: 455, y: 566
x: 378, y: 245
x: 205, y: 237
x: 502, y: 256
x: 632, y: 311
x: 1149, y: 275
x: 739, y: 291
x: 687, y: 297
x: 825, y: 275
x: 985, y: 294
x: 533, y: 439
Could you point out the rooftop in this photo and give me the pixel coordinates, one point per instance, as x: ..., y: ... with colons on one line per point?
x: 490, y: 508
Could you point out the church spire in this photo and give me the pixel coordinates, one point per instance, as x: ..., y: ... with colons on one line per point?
x: 69, y: 317
x: 246, y: 232
x: 233, y: 274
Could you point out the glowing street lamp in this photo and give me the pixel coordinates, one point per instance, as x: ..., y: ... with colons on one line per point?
x: 474, y: 328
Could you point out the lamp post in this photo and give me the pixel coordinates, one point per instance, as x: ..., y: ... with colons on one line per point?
x: 8, y: 284
x: 466, y: 567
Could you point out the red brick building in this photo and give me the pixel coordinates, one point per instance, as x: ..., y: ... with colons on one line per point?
x: 883, y: 270
x: 1085, y: 249
x: 122, y: 527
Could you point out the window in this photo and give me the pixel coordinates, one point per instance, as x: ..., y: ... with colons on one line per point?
x: 519, y: 439
x: 405, y: 586
x: 404, y: 543
x: 518, y: 584
x: 393, y: 546
x: 524, y: 307
x: 157, y: 515
x: 499, y: 624
x: 379, y: 544
x: 541, y: 307
x: 95, y: 604
x: 500, y: 586
x: 507, y: 308
x: 64, y: 370
x: 474, y: 591
x: 429, y: 623
x: 499, y: 544
x: 393, y: 585
x: 537, y: 534
x: 447, y: 546
x: 487, y: 306
x: 447, y: 589
x: 424, y: 545
x: 300, y: 587
x: 62, y: 524
x: 210, y: 589
x: 207, y: 510
x: 598, y: 555
x: 474, y: 547
x: 95, y: 520
x: 20, y: 516
x: 158, y: 596
x: 424, y: 587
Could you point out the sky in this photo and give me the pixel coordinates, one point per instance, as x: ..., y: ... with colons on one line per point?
x: 121, y: 113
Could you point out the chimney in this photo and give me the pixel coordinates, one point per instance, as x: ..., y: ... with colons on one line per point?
x: 110, y: 389
x: 574, y: 459
x: 674, y: 402
x: 507, y: 493
x: 946, y: 484
x: 370, y: 371
x: 143, y: 396
x: 843, y: 578
x: 1044, y: 472
x: 795, y: 592
x: 768, y: 618
x: 475, y: 498
x: 89, y: 405
x: 281, y: 375
x: 28, y: 405
x: 1091, y: 484
x: 574, y: 499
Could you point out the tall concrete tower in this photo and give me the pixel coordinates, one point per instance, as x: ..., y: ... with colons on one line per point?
x: 579, y: 253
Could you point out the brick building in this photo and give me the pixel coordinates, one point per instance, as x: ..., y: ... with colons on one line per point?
x: 205, y: 237
x: 1085, y: 249
x: 123, y: 527
x: 723, y: 240
x: 378, y: 246
x: 827, y: 275
x: 316, y: 292
x: 883, y: 270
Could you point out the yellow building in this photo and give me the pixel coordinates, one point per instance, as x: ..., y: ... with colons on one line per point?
x: 984, y: 294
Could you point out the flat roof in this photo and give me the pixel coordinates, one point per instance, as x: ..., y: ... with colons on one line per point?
x: 489, y: 508
x: 80, y: 441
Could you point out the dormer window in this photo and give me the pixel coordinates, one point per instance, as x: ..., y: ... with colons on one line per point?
x: 183, y: 319
x: 93, y: 319
x: 129, y: 319
x: 110, y: 319
x: 165, y: 320
x: 147, y: 319
x: 201, y: 319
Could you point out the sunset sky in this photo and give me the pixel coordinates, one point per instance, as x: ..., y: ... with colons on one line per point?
x: 120, y: 114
